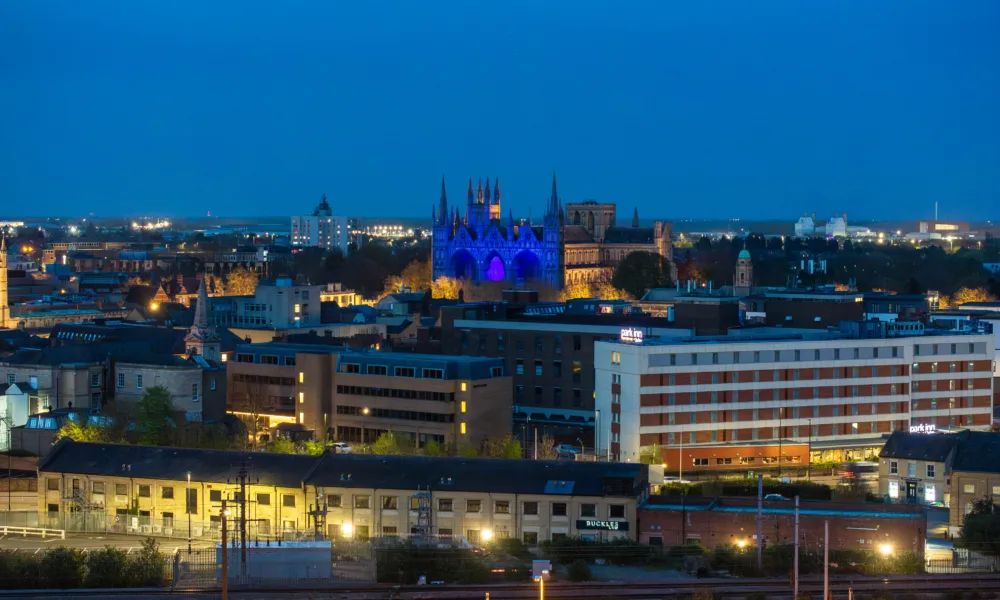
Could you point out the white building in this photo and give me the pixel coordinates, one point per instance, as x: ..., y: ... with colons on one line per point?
x: 321, y: 230
x: 277, y: 304
x: 835, y: 390
x: 805, y: 226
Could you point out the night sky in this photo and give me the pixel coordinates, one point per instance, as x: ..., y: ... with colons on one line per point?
x: 751, y: 109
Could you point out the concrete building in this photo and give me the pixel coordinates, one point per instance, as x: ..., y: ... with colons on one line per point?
x: 802, y: 309
x: 840, y: 392
x: 711, y: 522
x: 366, y: 495
x: 277, y: 304
x: 355, y: 395
x: 321, y: 230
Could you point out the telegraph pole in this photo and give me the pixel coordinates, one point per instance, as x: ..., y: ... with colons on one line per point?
x: 826, y: 560
x: 795, y: 584
x: 243, y: 519
x: 760, y: 522
x: 225, y: 554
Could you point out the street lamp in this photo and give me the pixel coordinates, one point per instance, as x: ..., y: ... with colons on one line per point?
x: 741, y: 544
x: 486, y: 535
x: 885, y: 550
x: 187, y: 502
x: 583, y: 450
x: 541, y: 584
x: 347, y: 530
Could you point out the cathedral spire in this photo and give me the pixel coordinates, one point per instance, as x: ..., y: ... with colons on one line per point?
x: 510, y: 225
x: 496, y: 191
x: 434, y: 219
x: 635, y: 218
x: 487, y: 194
x: 443, y: 204
x: 469, y: 197
x: 553, y: 208
x: 479, y: 193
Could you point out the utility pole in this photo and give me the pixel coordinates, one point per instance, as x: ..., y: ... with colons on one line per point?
x: 760, y: 522
x: 536, y: 443
x: 187, y: 504
x: 826, y: 559
x: 781, y: 435
x: 795, y: 581
x: 225, y: 553
x: 243, y: 519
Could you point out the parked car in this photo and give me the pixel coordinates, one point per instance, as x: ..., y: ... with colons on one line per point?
x: 774, y: 497
x: 566, y: 450
x: 342, y: 448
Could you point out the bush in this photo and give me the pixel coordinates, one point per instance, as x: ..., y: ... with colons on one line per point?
x: 107, y: 568
x: 579, y: 570
x: 148, y: 568
x: 62, y: 568
x: 510, y: 546
x: 19, y: 571
x: 757, y: 596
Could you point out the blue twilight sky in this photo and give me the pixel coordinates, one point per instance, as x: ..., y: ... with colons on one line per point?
x: 749, y: 109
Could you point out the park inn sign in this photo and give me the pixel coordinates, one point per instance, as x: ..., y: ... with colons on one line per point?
x: 602, y: 525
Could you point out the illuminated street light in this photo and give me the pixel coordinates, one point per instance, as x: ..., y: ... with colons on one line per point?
x: 741, y: 544
x: 487, y: 535
x: 347, y: 529
x: 885, y: 549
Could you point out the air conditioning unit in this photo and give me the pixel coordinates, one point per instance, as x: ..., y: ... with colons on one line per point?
x: 157, y: 529
x: 168, y: 531
x: 146, y: 529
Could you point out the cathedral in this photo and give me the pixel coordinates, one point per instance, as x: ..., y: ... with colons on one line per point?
x: 579, y: 244
x: 477, y: 246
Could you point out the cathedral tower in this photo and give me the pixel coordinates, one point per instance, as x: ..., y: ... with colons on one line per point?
x: 744, y: 274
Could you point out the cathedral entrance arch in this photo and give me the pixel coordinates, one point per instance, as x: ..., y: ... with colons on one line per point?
x: 463, y: 265
x: 495, y: 269
x: 526, y: 265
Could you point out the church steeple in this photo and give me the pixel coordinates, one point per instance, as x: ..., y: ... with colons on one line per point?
x: 510, y: 225
x: 496, y: 191
x: 479, y: 193
x: 487, y: 194
x: 443, y: 205
x: 202, y: 338
x: 469, y: 197
x: 635, y: 218
x: 553, y: 208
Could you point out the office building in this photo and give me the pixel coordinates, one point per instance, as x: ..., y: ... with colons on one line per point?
x: 355, y: 395
x: 839, y: 392
x: 321, y: 230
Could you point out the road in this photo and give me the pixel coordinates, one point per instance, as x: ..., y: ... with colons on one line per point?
x: 92, y: 541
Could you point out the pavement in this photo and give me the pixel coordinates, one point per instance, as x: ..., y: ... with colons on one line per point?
x: 94, y: 541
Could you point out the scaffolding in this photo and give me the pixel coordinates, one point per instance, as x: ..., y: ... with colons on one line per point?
x: 422, y: 501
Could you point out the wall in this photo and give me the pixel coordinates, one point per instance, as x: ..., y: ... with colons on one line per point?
x: 982, y: 485
x: 179, y: 381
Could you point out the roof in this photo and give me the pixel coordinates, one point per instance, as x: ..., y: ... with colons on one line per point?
x: 919, y: 446
x: 474, y: 474
x: 167, y: 340
x: 977, y: 452
x: 134, y: 353
x: 576, y: 234
x: 173, y: 464
x: 629, y: 235
x: 744, y: 254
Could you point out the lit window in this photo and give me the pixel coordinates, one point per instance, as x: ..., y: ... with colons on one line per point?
x: 302, y: 377
x: 463, y: 428
x: 894, y: 489
x: 463, y: 405
x: 297, y: 308
x: 302, y: 417
x: 302, y: 397
x: 463, y: 386
x: 616, y: 358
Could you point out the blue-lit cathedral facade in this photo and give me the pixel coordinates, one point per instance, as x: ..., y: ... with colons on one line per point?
x: 479, y: 245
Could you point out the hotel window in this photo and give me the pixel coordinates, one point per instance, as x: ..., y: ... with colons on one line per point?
x: 473, y: 506
x: 798, y: 355
x: 756, y: 356
x: 715, y: 358
x: 558, y: 509
x: 390, y: 503
x: 501, y: 507
x: 463, y: 386
x: 756, y: 396
x: 694, y: 398
x: 700, y: 462
x: 462, y: 428
x: 671, y: 399
x: 356, y: 368
x: 930, y: 471
x: 815, y: 412
x: 616, y: 358
x: 756, y: 376
x: 715, y: 378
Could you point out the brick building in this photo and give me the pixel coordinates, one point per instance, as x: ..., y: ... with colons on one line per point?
x: 670, y: 521
x: 839, y: 392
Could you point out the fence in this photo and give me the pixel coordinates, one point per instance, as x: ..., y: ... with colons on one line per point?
x: 296, y: 564
x: 19, y: 519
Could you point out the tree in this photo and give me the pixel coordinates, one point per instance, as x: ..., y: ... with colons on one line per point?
x: 241, y: 282
x: 966, y: 295
x: 639, y: 272
x: 281, y: 445
x: 606, y: 291
x: 981, y: 529
x: 547, y: 447
x: 154, y: 417
x: 386, y: 444
x: 446, y: 287
x: 651, y: 455
x: 82, y: 432
x: 506, y: 446
x: 253, y: 399
x: 432, y: 448
x: 417, y: 275
x: 313, y: 448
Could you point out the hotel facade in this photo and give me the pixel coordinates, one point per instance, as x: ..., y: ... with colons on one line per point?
x: 711, y: 403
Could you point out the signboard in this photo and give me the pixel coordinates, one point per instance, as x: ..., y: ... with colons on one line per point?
x: 630, y: 335
x: 593, y: 524
x: 929, y: 428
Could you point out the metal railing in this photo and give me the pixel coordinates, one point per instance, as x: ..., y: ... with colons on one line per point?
x: 39, y: 531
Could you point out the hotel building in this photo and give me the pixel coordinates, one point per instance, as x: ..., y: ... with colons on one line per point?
x: 713, y: 402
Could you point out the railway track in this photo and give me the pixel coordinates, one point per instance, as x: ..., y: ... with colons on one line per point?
x: 726, y: 588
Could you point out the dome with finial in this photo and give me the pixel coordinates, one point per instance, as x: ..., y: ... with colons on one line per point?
x: 744, y: 254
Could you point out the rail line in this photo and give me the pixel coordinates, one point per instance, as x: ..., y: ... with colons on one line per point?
x: 774, y: 588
